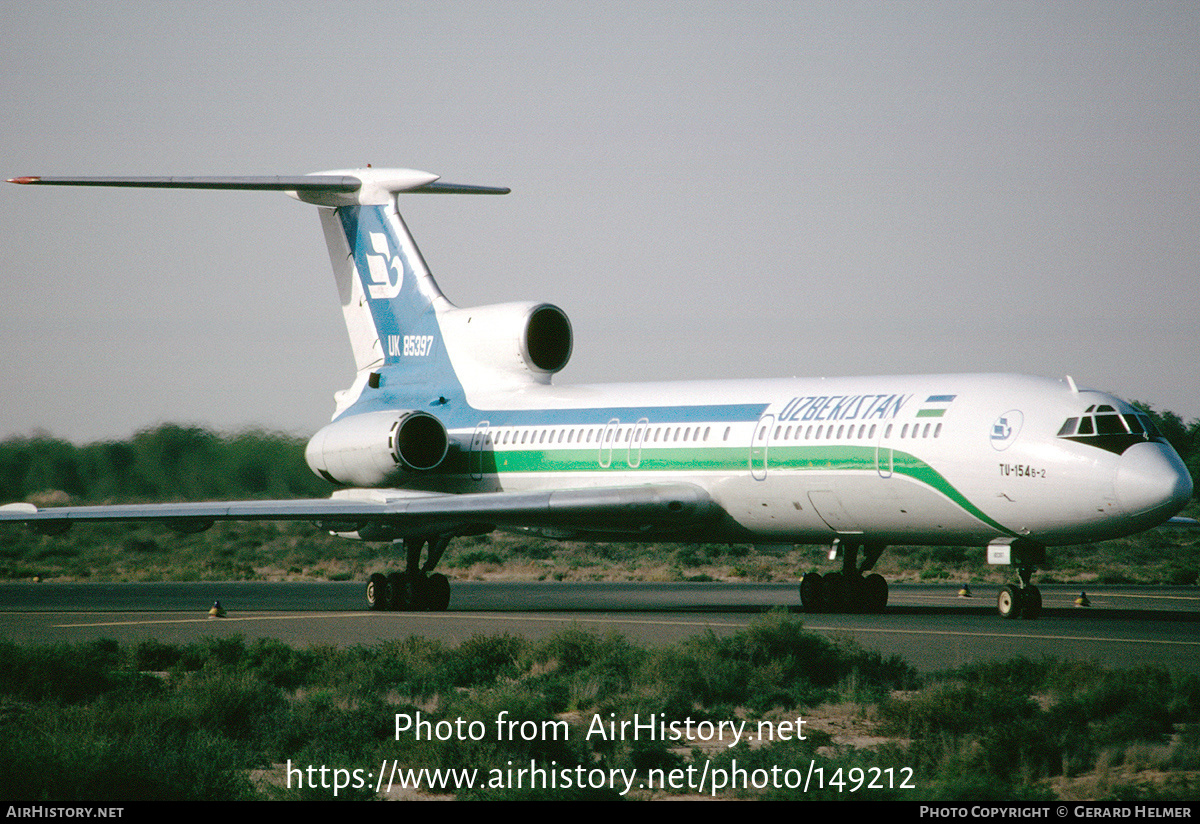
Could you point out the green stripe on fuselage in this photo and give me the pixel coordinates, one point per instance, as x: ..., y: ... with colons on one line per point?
x: 716, y: 459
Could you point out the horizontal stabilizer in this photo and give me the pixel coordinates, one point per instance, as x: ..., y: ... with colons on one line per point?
x: 301, y: 183
x: 460, y: 189
x: 343, y: 187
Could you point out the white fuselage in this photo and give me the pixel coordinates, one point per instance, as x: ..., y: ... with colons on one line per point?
x: 941, y: 459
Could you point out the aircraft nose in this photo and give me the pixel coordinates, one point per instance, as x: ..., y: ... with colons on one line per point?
x: 1152, y: 480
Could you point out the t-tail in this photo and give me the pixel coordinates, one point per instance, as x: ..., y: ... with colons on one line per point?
x: 413, y: 350
x: 412, y: 347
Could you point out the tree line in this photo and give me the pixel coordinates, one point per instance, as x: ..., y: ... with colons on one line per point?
x: 168, y: 462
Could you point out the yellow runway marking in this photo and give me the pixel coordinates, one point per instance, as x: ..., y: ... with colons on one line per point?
x: 207, y: 620
x: 378, y: 616
x: 581, y: 619
x: 1004, y: 635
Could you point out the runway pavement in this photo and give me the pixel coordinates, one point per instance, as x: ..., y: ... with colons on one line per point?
x: 928, y: 625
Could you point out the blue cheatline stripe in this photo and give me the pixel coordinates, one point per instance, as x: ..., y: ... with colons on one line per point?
x: 456, y: 415
x: 627, y: 415
x: 940, y: 398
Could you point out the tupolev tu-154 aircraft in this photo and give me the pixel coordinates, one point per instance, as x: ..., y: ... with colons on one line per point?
x: 453, y: 427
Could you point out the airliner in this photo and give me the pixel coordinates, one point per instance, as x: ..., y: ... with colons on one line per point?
x: 453, y: 427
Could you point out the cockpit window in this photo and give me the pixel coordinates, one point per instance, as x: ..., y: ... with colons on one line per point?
x: 1104, y: 427
x: 1110, y: 424
x: 1151, y: 428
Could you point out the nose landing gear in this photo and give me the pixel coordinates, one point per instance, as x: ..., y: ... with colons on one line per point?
x: 1024, y: 601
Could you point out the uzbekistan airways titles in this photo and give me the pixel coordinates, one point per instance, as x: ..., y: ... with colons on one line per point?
x: 855, y: 407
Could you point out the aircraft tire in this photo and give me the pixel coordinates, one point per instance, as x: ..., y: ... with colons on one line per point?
x: 1031, y: 602
x: 835, y: 592
x: 437, y: 592
x: 812, y: 592
x: 418, y: 592
x: 377, y: 592
x: 874, y: 593
x: 852, y: 594
x: 1009, y: 602
x: 399, y: 592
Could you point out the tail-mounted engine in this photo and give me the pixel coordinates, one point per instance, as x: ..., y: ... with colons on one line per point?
x: 507, y: 342
x: 368, y: 449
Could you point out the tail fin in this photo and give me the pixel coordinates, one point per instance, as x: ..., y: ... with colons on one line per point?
x: 389, y: 299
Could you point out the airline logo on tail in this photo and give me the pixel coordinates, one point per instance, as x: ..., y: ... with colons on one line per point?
x: 381, y: 265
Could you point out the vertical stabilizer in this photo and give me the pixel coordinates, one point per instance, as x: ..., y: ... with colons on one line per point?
x: 390, y: 301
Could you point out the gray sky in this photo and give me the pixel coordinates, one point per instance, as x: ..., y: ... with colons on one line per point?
x: 708, y: 190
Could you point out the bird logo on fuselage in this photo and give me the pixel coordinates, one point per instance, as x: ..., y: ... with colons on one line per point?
x: 1006, y: 428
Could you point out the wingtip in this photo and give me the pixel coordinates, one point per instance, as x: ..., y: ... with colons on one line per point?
x: 23, y: 179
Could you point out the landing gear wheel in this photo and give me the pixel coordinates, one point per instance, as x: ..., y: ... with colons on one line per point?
x: 400, y: 594
x: 418, y: 594
x: 852, y: 593
x: 437, y: 592
x: 874, y: 593
x: 377, y: 592
x: 1009, y: 602
x: 1031, y: 602
x: 415, y: 588
x: 811, y: 592
x: 835, y: 592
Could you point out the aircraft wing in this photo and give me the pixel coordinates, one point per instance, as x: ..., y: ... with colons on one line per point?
x: 648, y: 510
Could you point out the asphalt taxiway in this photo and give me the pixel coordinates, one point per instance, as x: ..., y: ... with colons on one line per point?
x: 929, y: 625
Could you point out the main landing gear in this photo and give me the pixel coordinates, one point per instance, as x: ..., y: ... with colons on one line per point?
x: 414, y: 589
x: 848, y: 590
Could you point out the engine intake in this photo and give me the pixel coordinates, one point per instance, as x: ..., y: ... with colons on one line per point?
x: 421, y: 442
x: 508, y: 341
x: 547, y: 344
x: 368, y: 449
